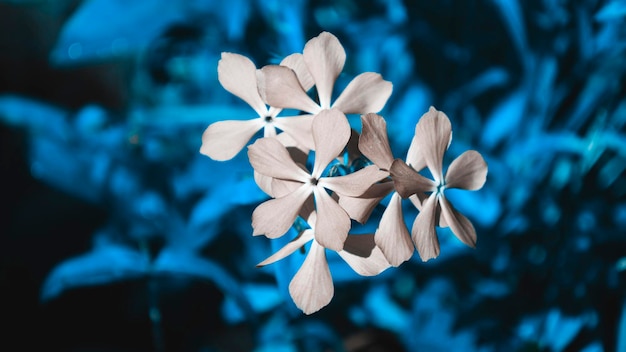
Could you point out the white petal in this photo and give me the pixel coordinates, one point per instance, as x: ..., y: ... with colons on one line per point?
x: 270, y: 158
x: 362, y: 255
x: 289, y: 248
x: 407, y: 181
x: 414, y: 156
x: 331, y: 132
x: 275, y: 217
x: 237, y: 74
x: 374, y: 143
x: 468, y: 171
x: 312, y: 287
x: 432, y: 137
x: 296, y: 63
x: 332, y: 223
x: 459, y: 224
x: 279, y: 87
x: 222, y: 140
x: 356, y: 183
x: 360, y: 208
x: 281, y: 188
x: 324, y: 57
x: 299, y: 128
x: 264, y: 183
x: 367, y: 92
x: 423, y: 233
x: 392, y: 236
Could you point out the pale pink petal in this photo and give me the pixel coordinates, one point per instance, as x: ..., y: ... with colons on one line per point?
x: 418, y: 199
x: 415, y: 157
x: 281, y: 188
x: 392, y: 236
x: 274, y: 217
x: 407, y: 181
x: 374, y: 143
x: 222, y: 140
x: 324, y: 57
x: 298, y: 152
x: 360, y: 208
x: 432, y: 136
x: 264, y: 183
x: 237, y: 74
x: 289, y: 248
x: 459, y: 224
x: 269, y: 131
x: 270, y: 158
x: 331, y: 132
x: 367, y: 92
x: 332, y: 223
x: 279, y: 87
x: 423, y: 233
x: 362, y: 255
x: 299, y: 128
x: 356, y: 183
x: 307, y: 211
x: 468, y: 171
x: 312, y: 287
x: 296, y: 63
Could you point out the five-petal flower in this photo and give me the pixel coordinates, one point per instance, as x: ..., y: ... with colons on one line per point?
x: 324, y: 58
x: 468, y: 171
x: 269, y: 157
x: 222, y: 140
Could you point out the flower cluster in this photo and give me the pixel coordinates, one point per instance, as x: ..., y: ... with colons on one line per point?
x: 296, y: 164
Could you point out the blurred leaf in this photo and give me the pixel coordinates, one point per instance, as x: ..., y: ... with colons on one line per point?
x: 105, y: 264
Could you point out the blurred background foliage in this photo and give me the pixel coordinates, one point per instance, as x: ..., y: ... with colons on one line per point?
x: 117, y: 235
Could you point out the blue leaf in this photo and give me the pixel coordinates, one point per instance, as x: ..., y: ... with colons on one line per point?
x: 505, y: 119
x: 104, y: 28
x: 105, y: 264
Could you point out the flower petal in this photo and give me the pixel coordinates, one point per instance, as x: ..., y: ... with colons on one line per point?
x: 324, y: 57
x: 392, y: 236
x: 264, y: 183
x: 298, y: 127
x: 289, y: 248
x: 468, y: 171
x: 274, y: 217
x: 362, y: 255
x: 332, y: 223
x: 423, y: 233
x: 432, y: 136
x: 415, y: 157
x: 407, y: 181
x: 270, y: 158
x: 296, y: 63
x: 367, y: 92
x: 360, y: 208
x: 374, y: 143
x: 331, y: 132
x: 222, y: 140
x: 237, y: 74
x: 281, y: 188
x: 356, y: 183
x: 459, y: 224
x: 312, y: 287
x: 279, y: 87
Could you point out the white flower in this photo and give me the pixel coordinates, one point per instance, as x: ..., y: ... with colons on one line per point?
x: 433, y: 134
x: 312, y: 287
x: 324, y: 58
x: 293, y: 184
x: 222, y: 140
